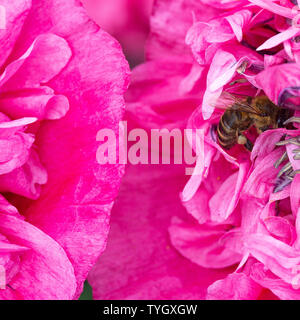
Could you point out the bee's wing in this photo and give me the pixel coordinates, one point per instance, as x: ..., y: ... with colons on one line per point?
x: 229, y: 101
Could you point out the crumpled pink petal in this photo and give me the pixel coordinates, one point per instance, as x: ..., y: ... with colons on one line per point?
x: 15, y: 144
x: 43, y: 263
x: 41, y: 103
x: 169, y: 25
x: 236, y: 286
x: 200, y: 244
x: 225, y: 200
x: 278, y: 257
x: 47, y: 49
x: 265, y: 278
x: 286, y: 84
x: 265, y: 143
x: 6, y: 207
x: 281, y: 229
x: 262, y: 179
x: 226, y: 60
x: 16, y: 14
x: 212, y: 34
x: 222, y: 68
x: 27, y: 180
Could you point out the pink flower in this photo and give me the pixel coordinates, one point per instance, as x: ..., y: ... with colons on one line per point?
x: 62, y: 79
x: 243, y: 209
x: 140, y: 262
x: 126, y: 20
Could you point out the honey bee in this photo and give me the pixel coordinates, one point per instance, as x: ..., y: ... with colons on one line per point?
x: 242, y: 114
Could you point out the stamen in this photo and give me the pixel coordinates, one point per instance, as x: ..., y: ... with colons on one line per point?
x: 293, y: 119
x: 287, y: 173
x: 297, y: 154
x: 295, y: 141
x: 282, y: 158
x: 281, y: 184
x: 285, y: 169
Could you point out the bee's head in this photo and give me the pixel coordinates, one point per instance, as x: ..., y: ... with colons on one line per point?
x: 265, y: 106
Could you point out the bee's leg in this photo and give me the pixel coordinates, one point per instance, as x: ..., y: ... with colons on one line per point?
x: 242, y: 139
x: 249, y: 145
x: 277, y: 209
x: 260, y: 130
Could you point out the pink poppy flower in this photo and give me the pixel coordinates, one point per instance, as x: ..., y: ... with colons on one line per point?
x: 242, y: 206
x: 126, y: 20
x: 62, y: 79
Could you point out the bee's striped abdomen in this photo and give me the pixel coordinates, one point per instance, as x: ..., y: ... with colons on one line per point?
x: 231, y: 124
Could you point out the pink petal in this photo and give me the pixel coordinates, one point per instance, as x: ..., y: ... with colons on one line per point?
x: 5, y: 206
x: 48, y: 50
x: 238, y: 21
x: 153, y: 98
x: 16, y: 13
x: 278, y: 39
x: 27, y: 180
x: 198, y: 205
x: 266, y: 143
x: 280, y: 288
x: 196, y: 178
x: 201, y: 244
x: 75, y: 204
x: 281, y: 229
x: 277, y: 256
x: 45, y: 264
x: 274, y: 7
x: 169, y: 25
x: 286, y: 84
x: 138, y: 240
x: 225, y: 200
x: 236, y: 286
x: 262, y: 180
x: 41, y: 103
x: 221, y: 71
x: 15, y: 144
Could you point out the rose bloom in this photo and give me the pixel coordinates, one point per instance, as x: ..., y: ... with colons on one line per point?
x: 62, y: 79
x: 231, y: 230
x: 126, y: 20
